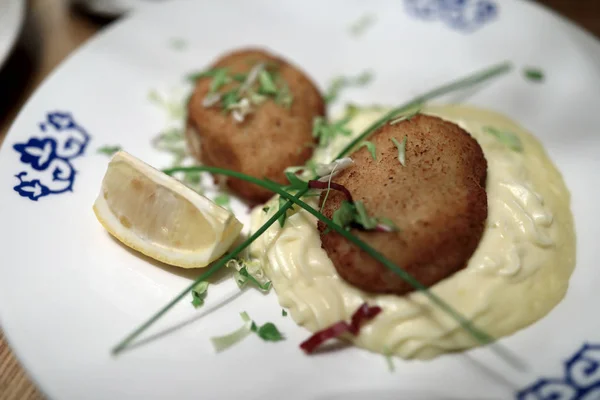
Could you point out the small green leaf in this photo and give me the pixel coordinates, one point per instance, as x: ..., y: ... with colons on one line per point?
x: 362, y: 217
x: 178, y: 43
x: 194, y: 76
x: 199, y: 294
x: 266, y: 209
x: 284, y: 96
x: 388, y: 223
x: 401, y: 146
x: 219, y: 80
x: 360, y: 26
x: 109, y: 150
x: 326, y: 132
x: 269, y: 332
x: 343, y: 82
x: 254, y: 327
x: 344, y: 215
x: 509, y: 139
x: 283, y: 313
x: 295, y: 182
x: 267, y: 84
x: 244, y: 276
x: 239, y: 77
x: 229, y: 99
x: 222, y: 200
x: 534, y: 74
x: 370, y: 148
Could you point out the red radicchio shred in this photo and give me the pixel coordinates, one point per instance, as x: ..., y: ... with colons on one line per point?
x: 314, y: 184
x: 335, y: 330
x: 363, y: 314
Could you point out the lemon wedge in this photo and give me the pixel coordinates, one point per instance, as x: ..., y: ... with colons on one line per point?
x: 160, y: 217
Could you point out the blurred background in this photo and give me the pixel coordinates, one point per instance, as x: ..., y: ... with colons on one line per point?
x: 38, y: 34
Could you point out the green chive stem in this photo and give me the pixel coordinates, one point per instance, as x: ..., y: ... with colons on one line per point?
x: 462, y: 83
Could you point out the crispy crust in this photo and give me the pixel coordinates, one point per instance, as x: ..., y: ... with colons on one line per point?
x: 268, y: 141
x: 438, y: 200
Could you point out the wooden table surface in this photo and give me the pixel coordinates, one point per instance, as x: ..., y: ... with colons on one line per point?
x: 52, y: 30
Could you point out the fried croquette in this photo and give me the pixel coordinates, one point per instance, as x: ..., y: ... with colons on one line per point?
x: 268, y: 140
x: 437, y: 201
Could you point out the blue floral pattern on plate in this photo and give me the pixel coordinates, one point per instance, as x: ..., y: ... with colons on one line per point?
x: 462, y: 15
x: 581, y: 379
x: 48, y: 158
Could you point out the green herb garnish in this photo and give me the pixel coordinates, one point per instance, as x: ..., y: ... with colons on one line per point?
x: 509, y: 139
x: 344, y: 215
x: 295, y: 182
x: 248, y: 91
x: 284, y: 96
x: 326, y: 132
x: 175, y: 109
x: 222, y: 200
x: 199, y: 294
x: 355, y: 213
x: 360, y: 26
x: 388, y: 359
x: 244, y: 277
x: 267, y: 84
x: 401, y: 146
x: 229, y: 99
x: 370, y: 148
x: 178, y: 43
x: 249, y: 270
x: 342, y: 82
x: 266, y: 209
x: 406, y: 117
x: 224, y: 342
x: 534, y: 74
x: 283, y: 313
x: 219, y: 80
x: 269, y: 333
x: 194, y: 76
x: 239, y: 77
x: 362, y: 218
x: 109, y: 150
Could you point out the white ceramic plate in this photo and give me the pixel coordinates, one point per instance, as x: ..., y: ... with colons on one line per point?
x: 12, y: 13
x: 68, y: 292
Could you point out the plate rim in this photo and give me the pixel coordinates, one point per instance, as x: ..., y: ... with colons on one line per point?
x: 17, y: 352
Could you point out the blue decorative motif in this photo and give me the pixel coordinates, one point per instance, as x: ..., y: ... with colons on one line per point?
x: 462, y: 15
x: 49, y: 158
x: 581, y: 380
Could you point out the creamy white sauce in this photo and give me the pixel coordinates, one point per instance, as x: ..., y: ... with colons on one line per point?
x: 518, y: 273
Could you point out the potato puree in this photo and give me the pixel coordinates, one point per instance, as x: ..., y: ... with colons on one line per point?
x: 518, y: 273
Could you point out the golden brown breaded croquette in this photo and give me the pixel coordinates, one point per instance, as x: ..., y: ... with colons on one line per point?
x: 270, y: 139
x: 437, y: 200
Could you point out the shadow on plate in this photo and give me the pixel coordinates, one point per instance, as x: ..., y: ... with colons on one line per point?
x: 204, y: 311
x: 188, y: 273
